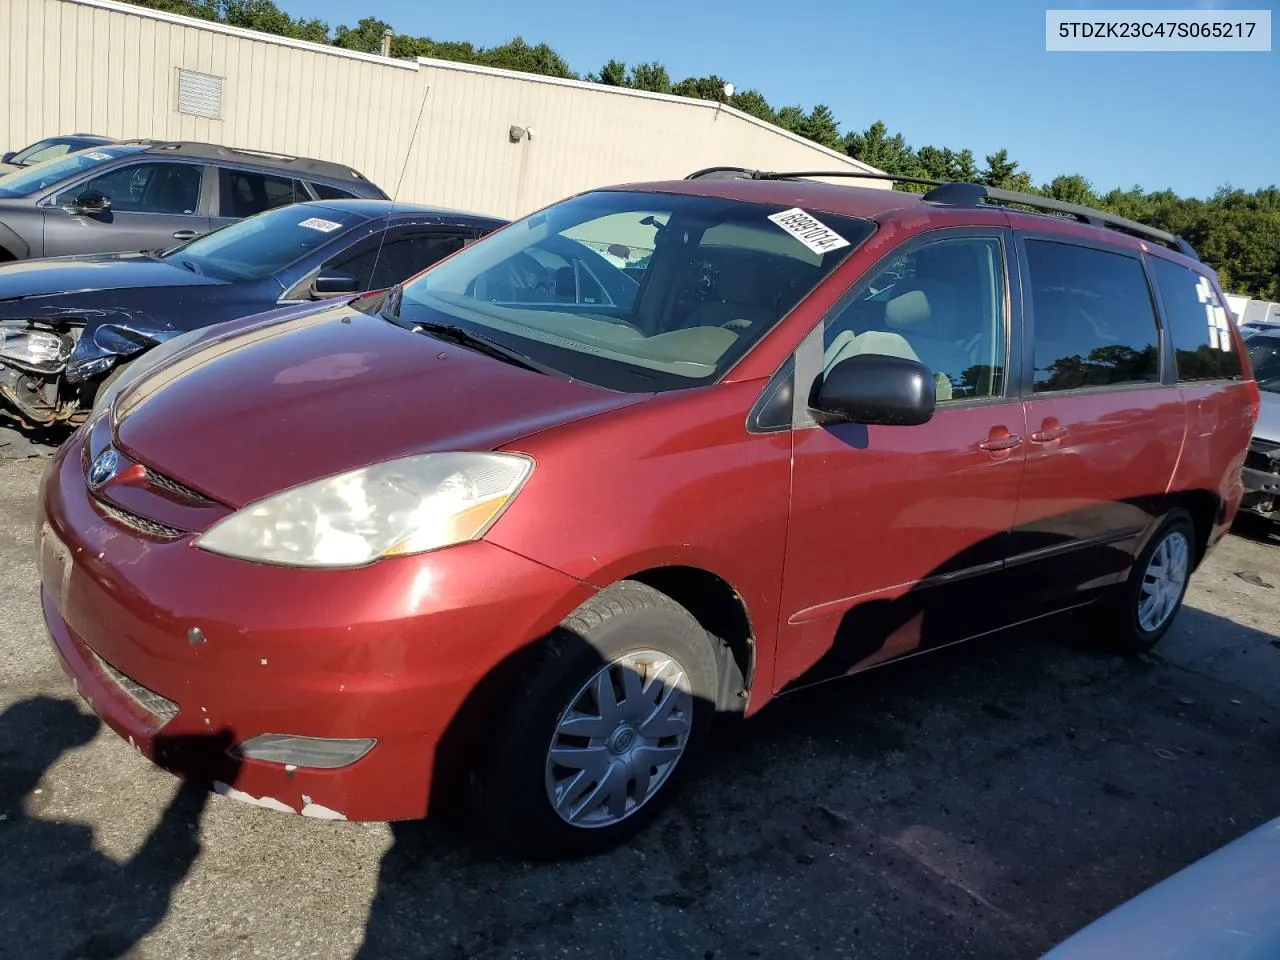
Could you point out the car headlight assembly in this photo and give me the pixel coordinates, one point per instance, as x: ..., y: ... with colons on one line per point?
x: 32, y: 350
x: 399, y: 507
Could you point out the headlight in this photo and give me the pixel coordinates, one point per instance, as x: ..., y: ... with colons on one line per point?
x: 38, y: 351
x: 403, y: 506
x: 143, y: 365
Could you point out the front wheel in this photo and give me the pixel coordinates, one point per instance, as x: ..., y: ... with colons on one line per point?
x: 608, y: 720
x: 1145, y: 606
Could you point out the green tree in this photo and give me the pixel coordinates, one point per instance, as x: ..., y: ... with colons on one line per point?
x: 614, y: 74
x: 652, y: 77
x: 876, y: 147
x: 820, y: 126
x: 1071, y: 188
x: 754, y: 103
x: 1003, y: 173
x: 791, y: 118
x: 365, y: 36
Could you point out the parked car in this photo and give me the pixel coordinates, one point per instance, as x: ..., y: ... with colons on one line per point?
x: 1262, y: 465
x: 49, y: 148
x: 516, y: 535
x: 1223, y: 907
x: 144, y: 195
x: 67, y: 323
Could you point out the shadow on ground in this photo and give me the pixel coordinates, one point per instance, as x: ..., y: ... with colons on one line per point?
x: 991, y: 798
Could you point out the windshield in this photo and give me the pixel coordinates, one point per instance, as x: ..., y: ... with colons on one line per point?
x: 634, y: 291
x: 1264, y: 357
x: 263, y: 245
x: 41, y: 176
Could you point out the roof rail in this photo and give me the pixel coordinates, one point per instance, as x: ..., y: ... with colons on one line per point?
x: 214, y: 151
x: 961, y: 193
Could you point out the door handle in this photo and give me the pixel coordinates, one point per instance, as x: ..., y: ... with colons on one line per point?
x: 1000, y: 439
x: 185, y: 234
x: 1049, y: 435
x: 996, y: 444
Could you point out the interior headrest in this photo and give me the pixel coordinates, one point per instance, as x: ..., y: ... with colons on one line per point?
x: 927, y: 308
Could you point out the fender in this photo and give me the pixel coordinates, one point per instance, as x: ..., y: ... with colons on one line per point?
x: 14, y: 244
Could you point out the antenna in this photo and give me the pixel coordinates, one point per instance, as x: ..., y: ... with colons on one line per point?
x: 386, y: 225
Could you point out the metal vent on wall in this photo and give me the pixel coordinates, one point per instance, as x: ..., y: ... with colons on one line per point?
x: 199, y: 94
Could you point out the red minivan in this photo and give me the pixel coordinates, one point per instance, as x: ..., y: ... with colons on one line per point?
x: 516, y: 532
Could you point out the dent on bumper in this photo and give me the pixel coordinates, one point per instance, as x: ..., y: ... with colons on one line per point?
x: 392, y: 652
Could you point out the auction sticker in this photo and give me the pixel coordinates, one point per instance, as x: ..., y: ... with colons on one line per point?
x: 809, y: 230
x: 315, y: 223
x: 98, y: 156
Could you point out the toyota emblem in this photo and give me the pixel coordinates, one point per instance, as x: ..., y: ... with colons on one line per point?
x: 104, y: 467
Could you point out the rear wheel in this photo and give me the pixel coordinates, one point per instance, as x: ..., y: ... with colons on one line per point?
x: 609, y: 718
x: 1145, y: 606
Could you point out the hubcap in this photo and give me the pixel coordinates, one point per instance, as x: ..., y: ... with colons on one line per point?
x: 619, y: 739
x: 1163, y: 580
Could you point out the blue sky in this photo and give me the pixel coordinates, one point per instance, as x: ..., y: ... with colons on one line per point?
x: 938, y: 71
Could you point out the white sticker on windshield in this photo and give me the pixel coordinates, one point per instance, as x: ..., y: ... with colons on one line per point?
x: 324, y: 226
x: 98, y: 156
x: 809, y: 230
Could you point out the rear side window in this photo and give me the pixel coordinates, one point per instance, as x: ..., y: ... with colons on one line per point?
x: 245, y: 193
x: 1095, y: 325
x: 326, y: 192
x: 1202, y: 345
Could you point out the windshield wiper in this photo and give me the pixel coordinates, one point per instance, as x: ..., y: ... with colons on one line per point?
x: 451, y: 333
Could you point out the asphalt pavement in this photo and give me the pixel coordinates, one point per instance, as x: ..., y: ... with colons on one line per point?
x: 983, y: 801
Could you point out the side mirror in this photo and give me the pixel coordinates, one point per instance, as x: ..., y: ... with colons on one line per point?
x: 334, y: 283
x: 876, y: 389
x: 8, y: 156
x: 90, y: 203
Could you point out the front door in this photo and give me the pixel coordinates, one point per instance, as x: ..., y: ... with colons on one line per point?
x: 1104, y: 431
x: 898, y: 533
x: 154, y: 206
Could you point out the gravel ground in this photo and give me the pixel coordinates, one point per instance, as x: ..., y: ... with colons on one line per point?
x: 984, y: 801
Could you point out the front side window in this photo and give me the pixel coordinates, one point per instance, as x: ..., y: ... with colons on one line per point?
x: 943, y: 304
x: 147, y: 188
x: 633, y: 290
x: 1203, y: 348
x: 244, y: 193
x: 1095, y: 325
x: 261, y: 246
x: 31, y: 180
x: 378, y: 262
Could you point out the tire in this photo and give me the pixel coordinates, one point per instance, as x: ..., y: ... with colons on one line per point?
x: 1135, y: 617
x: 621, y: 632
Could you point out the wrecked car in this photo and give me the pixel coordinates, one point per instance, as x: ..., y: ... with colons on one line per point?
x: 69, y: 325
x: 1261, y: 473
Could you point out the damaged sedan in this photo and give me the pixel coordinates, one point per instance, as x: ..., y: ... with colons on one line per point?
x: 70, y: 325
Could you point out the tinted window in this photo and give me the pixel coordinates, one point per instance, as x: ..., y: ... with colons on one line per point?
x: 1095, y: 325
x: 633, y: 290
x: 1264, y: 357
x: 42, y: 151
x: 245, y: 193
x: 148, y: 188
x: 263, y: 245
x: 1202, y: 343
x: 326, y: 192
x: 941, y: 304
x: 24, y: 183
x: 404, y: 252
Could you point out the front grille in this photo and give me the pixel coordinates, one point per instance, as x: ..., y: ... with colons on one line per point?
x: 149, y: 527
x: 174, y: 487
x: 159, y: 707
x: 1257, y: 459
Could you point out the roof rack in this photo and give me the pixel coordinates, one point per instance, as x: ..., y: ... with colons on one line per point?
x: 961, y: 193
x: 215, y: 151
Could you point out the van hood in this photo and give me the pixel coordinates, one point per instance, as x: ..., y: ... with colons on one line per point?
x: 278, y: 404
x: 109, y: 271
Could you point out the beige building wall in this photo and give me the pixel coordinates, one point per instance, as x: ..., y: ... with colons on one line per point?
x: 105, y: 67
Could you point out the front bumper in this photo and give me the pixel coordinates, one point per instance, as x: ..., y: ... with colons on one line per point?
x: 1261, y: 476
x: 392, y: 651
